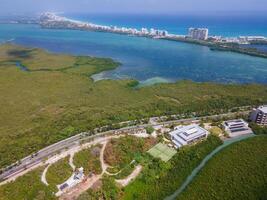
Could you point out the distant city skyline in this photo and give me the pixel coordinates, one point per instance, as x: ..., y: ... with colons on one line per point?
x: 136, y: 6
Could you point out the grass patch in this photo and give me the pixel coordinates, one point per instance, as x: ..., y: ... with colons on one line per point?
x: 258, y: 130
x: 162, y: 151
x: 237, y: 172
x: 159, y: 179
x: 89, y: 160
x: 215, y: 130
x: 125, y: 172
x: 27, y: 187
x: 121, y: 152
x: 113, y: 170
x: 109, y: 191
x: 59, y: 172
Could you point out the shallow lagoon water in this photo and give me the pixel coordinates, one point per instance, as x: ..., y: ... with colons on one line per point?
x: 144, y: 59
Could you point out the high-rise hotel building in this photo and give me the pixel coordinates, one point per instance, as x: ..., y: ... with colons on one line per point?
x: 198, y: 33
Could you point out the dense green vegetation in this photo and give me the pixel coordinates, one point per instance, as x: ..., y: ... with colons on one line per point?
x: 126, y: 171
x: 27, y: 187
x: 237, y: 172
x: 150, y: 130
x: 108, y: 191
x: 159, y: 179
x: 119, y: 153
x: 258, y: 130
x: 56, y: 99
x: 89, y: 160
x: 233, y: 47
x: 238, y: 49
x: 59, y: 172
x: 215, y: 130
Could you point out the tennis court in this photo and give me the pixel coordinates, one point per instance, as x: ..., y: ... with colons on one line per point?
x: 162, y: 151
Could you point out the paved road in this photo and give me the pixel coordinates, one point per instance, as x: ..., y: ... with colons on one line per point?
x: 74, y: 141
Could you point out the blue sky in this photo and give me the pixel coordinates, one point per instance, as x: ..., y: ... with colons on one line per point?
x: 134, y: 6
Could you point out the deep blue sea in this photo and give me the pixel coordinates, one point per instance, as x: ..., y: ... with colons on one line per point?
x: 228, y: 26
x: 151, y: 60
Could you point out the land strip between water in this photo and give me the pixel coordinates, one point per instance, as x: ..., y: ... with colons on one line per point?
x: 53, y: 21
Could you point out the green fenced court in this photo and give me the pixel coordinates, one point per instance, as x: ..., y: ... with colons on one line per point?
x: 162, y: 151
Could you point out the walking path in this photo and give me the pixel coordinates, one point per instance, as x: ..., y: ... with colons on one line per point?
x: 43, y: 177
x: 103, y: 164
x: 71, y: 161
x: 132, y: 176
x: 64, y: 154
x: 32, y: 162
x: 113, y: 174
x: 75, y: 192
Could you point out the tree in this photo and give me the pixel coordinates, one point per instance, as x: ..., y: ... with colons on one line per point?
x: 149, y: 129
x: 258, y: 130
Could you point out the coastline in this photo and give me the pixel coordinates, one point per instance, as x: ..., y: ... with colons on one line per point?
x: 223, y: 47
x: 125, y: 72
x: 52, y: 21
x: 78, y: 105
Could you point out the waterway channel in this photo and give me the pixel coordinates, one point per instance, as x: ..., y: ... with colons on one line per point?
x: 191, y: 177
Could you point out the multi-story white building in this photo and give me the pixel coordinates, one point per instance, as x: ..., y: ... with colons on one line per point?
x: 152, y: 31
x: 259, y: 115
x: 256, y: 38
x: 185, y: 135
x: 198, y: 33
x: 237, y: 127
x: 144, y: 31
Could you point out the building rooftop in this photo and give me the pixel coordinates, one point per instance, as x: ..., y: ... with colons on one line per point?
x: 200, y: 29
x: 263, y: 108
x: 189, y: 132
x: 235, y: 122
x: 237, y: 127
x: 184, y: 135
x: 75, y: 178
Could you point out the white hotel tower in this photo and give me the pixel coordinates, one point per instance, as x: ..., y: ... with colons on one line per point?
x: 198, y: 33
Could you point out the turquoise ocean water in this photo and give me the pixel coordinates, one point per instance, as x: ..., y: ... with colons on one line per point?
x: 150, y: 60
x: 225, y: 25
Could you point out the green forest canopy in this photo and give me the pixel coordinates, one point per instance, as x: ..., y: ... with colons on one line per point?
x: 238, y: 172
x: 56, y: 98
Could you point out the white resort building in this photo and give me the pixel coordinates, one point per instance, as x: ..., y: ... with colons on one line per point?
x: 259, y: 115
x: 185, y: 135
x: 75, y: 179
x: 237, y: 127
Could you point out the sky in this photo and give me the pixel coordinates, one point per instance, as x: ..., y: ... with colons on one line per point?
x: 134, y: 6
